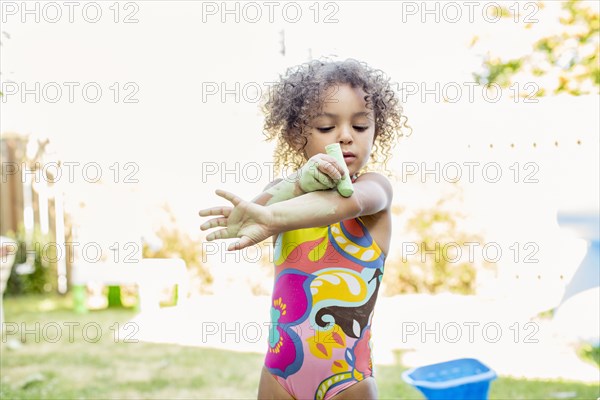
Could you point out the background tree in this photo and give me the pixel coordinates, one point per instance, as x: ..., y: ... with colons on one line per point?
x: 442, y: 262
x: 178, y: 244
x: 571, y: 54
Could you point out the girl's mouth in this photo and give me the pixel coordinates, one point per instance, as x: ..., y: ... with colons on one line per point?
x: 348, y: 156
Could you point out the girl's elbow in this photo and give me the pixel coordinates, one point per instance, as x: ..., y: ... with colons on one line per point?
x: 357, y: 207
x: 365, y: 205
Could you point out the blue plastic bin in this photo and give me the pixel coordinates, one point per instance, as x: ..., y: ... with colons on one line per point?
x: 461, y: 379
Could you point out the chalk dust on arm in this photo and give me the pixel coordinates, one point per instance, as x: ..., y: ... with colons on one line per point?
x: 276, y: 192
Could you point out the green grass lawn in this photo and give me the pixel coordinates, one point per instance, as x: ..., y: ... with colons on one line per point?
x: 112, y: 368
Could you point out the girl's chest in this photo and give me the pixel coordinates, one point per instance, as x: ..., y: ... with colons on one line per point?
x: 347, y: 244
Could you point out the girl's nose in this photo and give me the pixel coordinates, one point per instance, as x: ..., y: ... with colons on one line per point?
x: 345, y: 135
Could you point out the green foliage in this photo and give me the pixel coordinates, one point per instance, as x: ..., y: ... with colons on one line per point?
x: 571, y: 54
x: 116, y: 367
x: 498, y: 71
x: 589, y: 353
x: 175, y: 243
x: 43, y: 278
x: 436, y: 266
x: 548, y: 314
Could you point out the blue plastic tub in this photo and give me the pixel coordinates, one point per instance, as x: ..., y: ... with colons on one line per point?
x: 461, y: 379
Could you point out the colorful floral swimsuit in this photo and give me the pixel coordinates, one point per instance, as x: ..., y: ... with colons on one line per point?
x: 326, y: 284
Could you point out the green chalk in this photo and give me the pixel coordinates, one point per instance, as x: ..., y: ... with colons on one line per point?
x: 344, y: 187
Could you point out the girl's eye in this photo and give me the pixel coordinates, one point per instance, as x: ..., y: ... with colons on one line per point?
x: 361, y: 128
x: 325, y: 129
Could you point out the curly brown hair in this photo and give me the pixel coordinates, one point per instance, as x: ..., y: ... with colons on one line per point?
x: 296, y: 99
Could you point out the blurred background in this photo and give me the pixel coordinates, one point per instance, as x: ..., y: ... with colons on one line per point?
x: 119, y: 120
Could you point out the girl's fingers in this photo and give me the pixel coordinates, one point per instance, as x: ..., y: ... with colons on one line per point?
x: 334, y: 163
x: 240, y: 244
x: 330, y: 170
x: 224, y: 211
x: 220, y: 234
x: 327, y: 174
x: 213, y: 223
x: 229, y: 196
x: 325, y: 180
x: 340, y: 168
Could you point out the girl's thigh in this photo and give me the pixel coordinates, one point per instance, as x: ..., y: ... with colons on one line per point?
x: 270, y: 389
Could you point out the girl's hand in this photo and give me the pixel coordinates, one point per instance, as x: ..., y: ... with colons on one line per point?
x: 321, y: 172
x: 250, y: 222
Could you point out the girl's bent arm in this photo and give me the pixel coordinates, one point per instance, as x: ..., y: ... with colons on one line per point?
x: 372, y: 194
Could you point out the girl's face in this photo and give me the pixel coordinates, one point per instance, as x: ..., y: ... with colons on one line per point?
x: 346, y: 120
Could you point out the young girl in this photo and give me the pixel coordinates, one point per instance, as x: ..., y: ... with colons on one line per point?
x: 329, y: 250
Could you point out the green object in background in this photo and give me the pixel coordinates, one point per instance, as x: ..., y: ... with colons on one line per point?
x: 136, y: 306
x: 80, y: 299
x: 114, y: 297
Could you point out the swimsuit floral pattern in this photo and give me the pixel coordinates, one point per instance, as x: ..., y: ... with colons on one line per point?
x: 326, y: 284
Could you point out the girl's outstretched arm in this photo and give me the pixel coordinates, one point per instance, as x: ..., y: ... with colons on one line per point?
x: 372, y: 193
x: 253, y: 223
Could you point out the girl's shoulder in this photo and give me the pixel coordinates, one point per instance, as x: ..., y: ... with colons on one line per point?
x: 372, y: 174
x: 381, y: 179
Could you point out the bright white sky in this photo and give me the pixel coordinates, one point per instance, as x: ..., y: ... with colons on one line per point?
x: 171, y: 53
